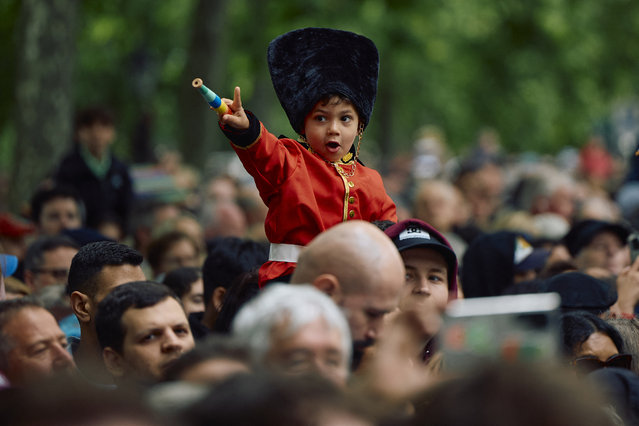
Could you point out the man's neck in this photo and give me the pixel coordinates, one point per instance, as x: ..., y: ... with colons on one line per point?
x: 88, y: 358
x: 209, y: 318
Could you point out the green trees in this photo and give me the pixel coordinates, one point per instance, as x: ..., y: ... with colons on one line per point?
x: 541, y: 73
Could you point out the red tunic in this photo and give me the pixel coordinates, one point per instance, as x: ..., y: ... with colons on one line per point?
x: 305, y: 195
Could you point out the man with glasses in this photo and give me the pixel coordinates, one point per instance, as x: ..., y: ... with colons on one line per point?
x: 48, y: 260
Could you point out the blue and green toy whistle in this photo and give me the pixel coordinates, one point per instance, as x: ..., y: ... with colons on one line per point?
x: 213, y: 100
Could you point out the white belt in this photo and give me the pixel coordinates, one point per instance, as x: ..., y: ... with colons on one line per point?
x: 284, y: 252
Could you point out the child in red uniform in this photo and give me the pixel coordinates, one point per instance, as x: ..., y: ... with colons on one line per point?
x: 326, y: 81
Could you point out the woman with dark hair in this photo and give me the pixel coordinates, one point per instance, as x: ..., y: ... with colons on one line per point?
x: 591, y: 343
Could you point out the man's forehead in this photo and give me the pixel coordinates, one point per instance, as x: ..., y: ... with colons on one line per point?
x: 606, y: 235
x: 59, y: 252
x: 168, y: 311
x: 31, y: 323
x: 59, y: 202
x: 376, y: 299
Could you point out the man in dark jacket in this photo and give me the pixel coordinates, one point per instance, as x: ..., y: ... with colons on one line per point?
x: 102, y: 181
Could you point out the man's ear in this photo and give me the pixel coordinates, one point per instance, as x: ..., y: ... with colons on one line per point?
x: 113, y: 362
x: 329, y: 284
x: 81, y: 306
x: 29, y: 277
x: 218, y: 298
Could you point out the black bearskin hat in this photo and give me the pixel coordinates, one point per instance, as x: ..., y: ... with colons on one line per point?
x: 310, y: 63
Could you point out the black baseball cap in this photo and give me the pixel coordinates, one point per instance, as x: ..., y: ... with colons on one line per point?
x: 413, y: 233
x: 581, y: 292
x: 583, y: 232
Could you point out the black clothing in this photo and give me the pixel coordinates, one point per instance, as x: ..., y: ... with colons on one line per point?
x: 111, y: 197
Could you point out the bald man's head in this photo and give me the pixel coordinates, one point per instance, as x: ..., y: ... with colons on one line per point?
x: 357, y: 253
x: 360, y: 268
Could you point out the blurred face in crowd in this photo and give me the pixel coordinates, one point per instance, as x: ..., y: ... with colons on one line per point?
x: 59, y: 214
x: 365, y: 311
x: 38, y: 347
x: 193, y: 301
x: 607, y: 251
x: 153, y: 337
x: 562, y: 202
x: 181, y: 253
x: 54, y: 268
x: 426, y: 290
x: 599, y: 345
x: 483, y: 189
x: 314, y: 348
x: 97, y: 137
x: 438, y: 204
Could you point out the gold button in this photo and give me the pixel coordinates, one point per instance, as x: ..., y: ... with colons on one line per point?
x: 351, y: 200
x: 351, y: 213
x: 351, y: 184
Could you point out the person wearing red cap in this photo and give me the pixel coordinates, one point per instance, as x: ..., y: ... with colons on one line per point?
x: 14, y: 234
x: 431, y: 275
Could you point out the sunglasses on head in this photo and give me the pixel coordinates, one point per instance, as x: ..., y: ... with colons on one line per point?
x: 591, y: 363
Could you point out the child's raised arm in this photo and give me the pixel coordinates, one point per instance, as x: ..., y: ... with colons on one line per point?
x: 238, y: 119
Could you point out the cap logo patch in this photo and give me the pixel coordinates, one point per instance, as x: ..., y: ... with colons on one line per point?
x: 522, y: 250
x: 414, y: 232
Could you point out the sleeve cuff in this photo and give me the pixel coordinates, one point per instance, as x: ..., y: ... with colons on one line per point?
x: 244, y: 138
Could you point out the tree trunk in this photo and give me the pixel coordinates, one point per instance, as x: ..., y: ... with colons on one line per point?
x: 206, y: 57
x: 44, y: 101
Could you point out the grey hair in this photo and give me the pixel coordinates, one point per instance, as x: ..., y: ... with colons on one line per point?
x: 293, y: 305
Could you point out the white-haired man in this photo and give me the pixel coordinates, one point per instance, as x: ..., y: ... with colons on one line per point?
x: 296, y: 330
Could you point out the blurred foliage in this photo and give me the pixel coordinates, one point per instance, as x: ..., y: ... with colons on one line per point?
x: 543, y: 73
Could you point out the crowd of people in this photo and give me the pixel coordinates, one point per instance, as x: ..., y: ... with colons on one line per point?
x: 124, y: 306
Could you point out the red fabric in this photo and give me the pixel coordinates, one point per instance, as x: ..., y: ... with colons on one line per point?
x: 596, y: 161
x: 305, y: 195
x: 14, y: 228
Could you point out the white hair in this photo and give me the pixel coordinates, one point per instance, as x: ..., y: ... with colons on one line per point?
x: 293, y: 306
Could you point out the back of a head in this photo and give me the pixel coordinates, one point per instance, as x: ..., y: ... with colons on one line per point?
x: 581, y: 292
x: 75, y: 402
x: 488, y: 266
x: 227, y: 258
x: 262, y: 399
x: 621, y: 387
x: 512, y: 394
x: 244, y: 288
x: 214, y: 347
x: 90, y: 260
x: 137, y: 295
x: 292, y: 307
x: 179, y: 280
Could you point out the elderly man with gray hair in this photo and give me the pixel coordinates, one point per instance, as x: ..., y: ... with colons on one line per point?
x: 296, y: 330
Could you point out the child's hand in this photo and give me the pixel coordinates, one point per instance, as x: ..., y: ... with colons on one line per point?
x: 238, y: 119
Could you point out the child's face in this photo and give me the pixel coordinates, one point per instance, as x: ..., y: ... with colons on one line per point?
x: 97, y: 138
x: 331, y: 127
